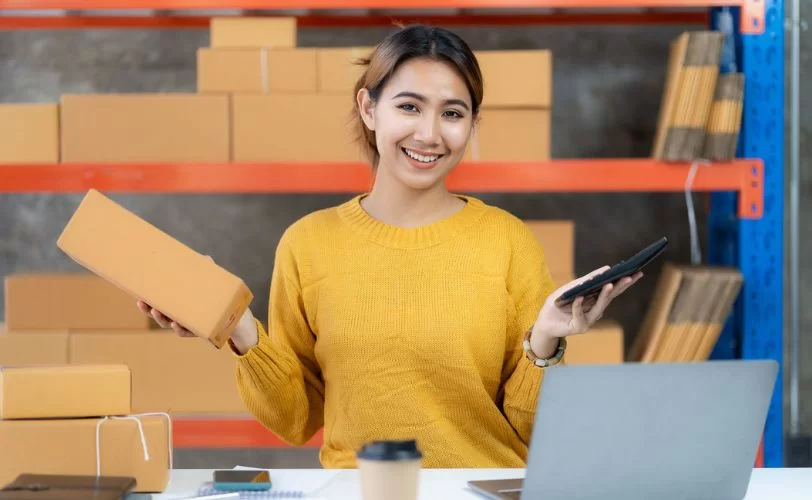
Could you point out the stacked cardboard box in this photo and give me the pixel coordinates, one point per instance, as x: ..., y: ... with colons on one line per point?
x: 687, y: 313
x: 29, y: 133
x: 77, y: 420
x: 724, y: 123
x: 603, y: 344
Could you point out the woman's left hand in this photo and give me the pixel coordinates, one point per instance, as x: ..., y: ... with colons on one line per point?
x: 554, y: 322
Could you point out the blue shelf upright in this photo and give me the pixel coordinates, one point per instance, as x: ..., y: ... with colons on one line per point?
x: 756, y: 247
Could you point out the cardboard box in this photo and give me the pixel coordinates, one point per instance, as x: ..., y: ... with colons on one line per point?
x: 602, y: 344
x: 29, y: 133
x: 337, y: 68
x: 149, y: 264
x: 64, y: 391
x: 69, y: 447
x: 557, y: 240
x: 99, y: 128
x: 169, y: 373
x: 33, y: 349
x: 65, y: 301
x: 504, y: 88
x: 252, y: 32
x: 511, y: 135
x: 256, y: 70
x: 282, y: 127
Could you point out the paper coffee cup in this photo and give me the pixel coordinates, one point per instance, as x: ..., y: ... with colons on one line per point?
x: 389, y: 470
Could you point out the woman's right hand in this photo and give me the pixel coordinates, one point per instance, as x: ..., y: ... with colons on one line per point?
x: 245, y: 336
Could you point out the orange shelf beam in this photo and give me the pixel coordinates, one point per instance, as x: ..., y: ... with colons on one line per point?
x: 559, y: 175
x: 206, y: 432
x: 752, y: 18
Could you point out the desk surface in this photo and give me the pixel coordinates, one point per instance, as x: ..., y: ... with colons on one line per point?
x: 450, y: 484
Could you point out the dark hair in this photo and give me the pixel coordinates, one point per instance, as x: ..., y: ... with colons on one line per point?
x: 410, y: 42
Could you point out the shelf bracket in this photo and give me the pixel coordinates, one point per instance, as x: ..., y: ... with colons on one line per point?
x: 752, y: 17
x: 751, y: 191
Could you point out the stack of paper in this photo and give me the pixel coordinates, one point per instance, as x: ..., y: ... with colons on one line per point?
x: 724, y: 123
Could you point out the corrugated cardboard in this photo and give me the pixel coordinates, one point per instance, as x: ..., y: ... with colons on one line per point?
x: 33, y: 349
x: 338, y: 71
x: 98, y: 128
x: 149, y: 264
x: 602, y: 344
x: 557, y: 239
x: 169, y: 373
x: 256, y: 70
x: 69, y: 447
x: 517, y: 78
x: 511, y: 135
x: 29, y: 133
x: 64, y: 391
x: 282, y: 127
x: 65, y: 301
x: 253, y: 32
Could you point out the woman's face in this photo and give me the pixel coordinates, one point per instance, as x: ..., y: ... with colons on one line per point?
x: 422, y: 122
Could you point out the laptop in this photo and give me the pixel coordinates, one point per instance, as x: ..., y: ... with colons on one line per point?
x: 639, y: 431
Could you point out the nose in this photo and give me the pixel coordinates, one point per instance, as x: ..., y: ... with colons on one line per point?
x: 428, y: 129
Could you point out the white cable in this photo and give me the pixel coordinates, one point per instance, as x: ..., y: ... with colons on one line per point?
x: 142, y: 435
x: 696, y: 251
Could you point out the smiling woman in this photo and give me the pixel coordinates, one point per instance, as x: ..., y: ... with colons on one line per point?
x: 409, y: 312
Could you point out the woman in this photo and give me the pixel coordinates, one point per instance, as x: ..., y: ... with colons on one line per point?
x: 402, y: 313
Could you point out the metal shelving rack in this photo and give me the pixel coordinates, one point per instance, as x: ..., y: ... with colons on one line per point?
x: 746, y: 222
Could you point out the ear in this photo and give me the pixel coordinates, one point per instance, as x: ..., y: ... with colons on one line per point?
x: 366, y: 107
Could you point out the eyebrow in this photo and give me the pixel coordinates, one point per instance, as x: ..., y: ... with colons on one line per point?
x: 421, y: 98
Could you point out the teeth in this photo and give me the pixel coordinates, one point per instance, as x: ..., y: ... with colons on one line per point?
x: 420, y: 158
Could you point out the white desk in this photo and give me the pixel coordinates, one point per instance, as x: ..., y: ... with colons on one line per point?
x: 450, y: 484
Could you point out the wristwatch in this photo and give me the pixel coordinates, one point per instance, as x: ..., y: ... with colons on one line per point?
x: 544, y: 362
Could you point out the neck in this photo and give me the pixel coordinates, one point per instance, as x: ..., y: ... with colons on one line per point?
x: 395, y: 204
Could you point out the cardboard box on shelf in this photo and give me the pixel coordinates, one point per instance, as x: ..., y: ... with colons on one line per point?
x: 603, y: 344
x: 68, y: 447
x: 511, y: 135
x: 258, y: 71
x: 504, y: 90
x: 281, y: 127
x: 148, y: 127
x: 169, y: 373
x: 65, y: 301
x: 42, y: 349
x: 337, y: 69
x: 252, y: 32
x: 151, y: 265
x: 29, y: 133
x: 557, y: 240
x: 65, y: 391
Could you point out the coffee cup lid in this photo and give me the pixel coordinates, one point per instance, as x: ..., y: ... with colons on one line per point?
x: 390, y: 450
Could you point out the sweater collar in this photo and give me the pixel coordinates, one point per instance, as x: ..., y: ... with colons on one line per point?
x: 410, y: 238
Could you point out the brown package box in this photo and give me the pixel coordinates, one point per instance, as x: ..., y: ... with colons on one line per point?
x: 69, y: 447
x: 511, y: 135
x: 65, y: 301
x: 338, y: 72
x: 557, y: 240
x: 602, y: 344
x: 517, y: 78
x: 281, y: 128
x: 29, y: 133
x: 98, y: 128
x: 253, y: 32
x: 29, y: 392
x: 33, y: 349
x: 149, y: 264
x: 256, y: 70
x: 169, y: 373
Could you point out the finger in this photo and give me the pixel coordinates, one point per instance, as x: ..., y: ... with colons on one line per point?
x: 183, y: 332
x: 594, y: 273
x: 622, y: 285
x: 159, y: 318
x: 578, y: 322
x: 603, y: 302
x: 143, y: 307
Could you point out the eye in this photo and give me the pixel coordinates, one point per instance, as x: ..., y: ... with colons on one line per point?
x: 407, y: 107
x: 453, y: 114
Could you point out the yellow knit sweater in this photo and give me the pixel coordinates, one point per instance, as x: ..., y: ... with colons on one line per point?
x: 381, y: 332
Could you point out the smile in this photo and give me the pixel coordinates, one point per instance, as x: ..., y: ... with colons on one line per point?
x: 420, y: 157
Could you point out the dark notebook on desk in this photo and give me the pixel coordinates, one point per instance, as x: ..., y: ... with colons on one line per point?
x: 54, y: 487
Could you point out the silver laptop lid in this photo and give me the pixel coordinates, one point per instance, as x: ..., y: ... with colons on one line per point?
x: 649, y: 431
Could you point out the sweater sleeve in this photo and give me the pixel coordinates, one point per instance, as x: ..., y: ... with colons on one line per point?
x: 529, y: 284
x: 279, y: 379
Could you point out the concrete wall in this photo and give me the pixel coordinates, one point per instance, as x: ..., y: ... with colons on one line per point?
x: 607, y: 87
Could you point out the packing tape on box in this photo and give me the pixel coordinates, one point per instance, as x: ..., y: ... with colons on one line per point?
x: 137, y: 419
x: 263, y: 69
